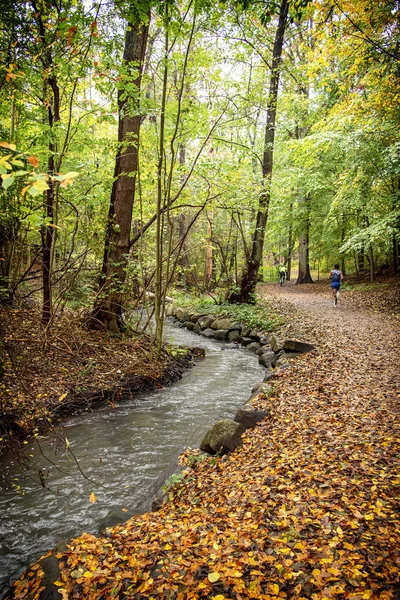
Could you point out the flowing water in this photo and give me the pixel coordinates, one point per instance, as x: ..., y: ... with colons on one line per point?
x: 125, y: 454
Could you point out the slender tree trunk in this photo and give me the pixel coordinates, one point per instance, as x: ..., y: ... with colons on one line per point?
x: 304, y: 275
x: 342, y: 261
x: 290, y: 243
x: 108, y: 307
x: 209, y: 267
x: 250, y: 275
x: 49, y: 203
x: 371, y: 263
x: 183, y: 260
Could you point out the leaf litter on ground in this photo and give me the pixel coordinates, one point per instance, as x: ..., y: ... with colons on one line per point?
x: 306, y: 509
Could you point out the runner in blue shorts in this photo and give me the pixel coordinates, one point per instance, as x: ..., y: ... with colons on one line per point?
x: 336, y: 277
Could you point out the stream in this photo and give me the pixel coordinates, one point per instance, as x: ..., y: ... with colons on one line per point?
x: 125, y: 453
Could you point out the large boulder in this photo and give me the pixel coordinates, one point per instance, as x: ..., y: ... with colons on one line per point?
x: 220, y: 324
x: 266, y: 358
x: 255, y: 335
x: 221, y: 334
x: 208, y: 333
x: 181, y: 315
x: 275, y: 344
x: 297, y: 346
x: 253, y: 347
x: 234, y: 335
x: 224, y: 437
x: 205, y: 321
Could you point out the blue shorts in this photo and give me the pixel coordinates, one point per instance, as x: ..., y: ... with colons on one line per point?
x: 335, y: 285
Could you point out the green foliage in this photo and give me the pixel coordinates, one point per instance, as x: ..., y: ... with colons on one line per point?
x: 256, y: 316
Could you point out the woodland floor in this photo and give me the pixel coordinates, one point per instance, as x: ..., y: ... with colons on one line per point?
x: 69, y: 369
x: 308, y: 508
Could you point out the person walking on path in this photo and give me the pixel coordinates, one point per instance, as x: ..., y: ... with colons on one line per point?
x: 336, y: 277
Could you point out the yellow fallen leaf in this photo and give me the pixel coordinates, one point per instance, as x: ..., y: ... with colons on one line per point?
x: 273, y: 588
x: 61, y: 398
x: 218, y: 597
x: 88, y: 574
x: 369, y: 517
x: 213, y: 577
x: 92, y: 498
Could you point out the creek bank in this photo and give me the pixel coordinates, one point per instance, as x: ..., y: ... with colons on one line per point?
x: 87, y: 397
x: 271, y: 351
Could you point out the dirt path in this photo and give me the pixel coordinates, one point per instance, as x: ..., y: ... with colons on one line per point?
x: 360, y: 344
x: 307, y: 509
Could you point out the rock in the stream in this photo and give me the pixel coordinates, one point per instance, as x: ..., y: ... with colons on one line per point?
x: 224, y: 437
x: 221, y: 334
x: 253, y: 347
x: 246, y: 341
x: 181, y: 315
x: 234, y: 335
x: 220, y: 324
x: 277, y: 357
x: 296, y: 346
x: 266, y: 358
x: 208, y: 333
x: 205, y: 321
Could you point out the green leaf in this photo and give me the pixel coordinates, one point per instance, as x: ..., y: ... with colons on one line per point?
x: 40, y: 185
x: 7, y: 182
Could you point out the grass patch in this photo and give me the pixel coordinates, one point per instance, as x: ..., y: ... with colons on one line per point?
x: 252, y: 315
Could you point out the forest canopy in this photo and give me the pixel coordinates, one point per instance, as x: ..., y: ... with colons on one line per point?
x: 147, y: 144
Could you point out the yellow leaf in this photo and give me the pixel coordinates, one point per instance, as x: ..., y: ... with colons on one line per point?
x: 273, y: 588
x: 63, y: 593
x: 88, y: 574
x: 40, y: 185
x: 7, y: 145
x: 218, y: 597
x: 202, y: 585
x: 369, y: 517
x: 348, y: 546
x: 58, y: 583
x: 213, y: 577
x: 167, y: 547
x: 61, y: 398
x: 92, y: 498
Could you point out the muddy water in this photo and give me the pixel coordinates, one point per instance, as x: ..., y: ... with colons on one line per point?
x: 125, y: 454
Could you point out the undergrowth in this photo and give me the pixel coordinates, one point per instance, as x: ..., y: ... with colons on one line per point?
x: 252, y: 315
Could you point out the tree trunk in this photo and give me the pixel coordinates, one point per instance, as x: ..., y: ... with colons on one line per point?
x: 290, y: 243
x: 47, y: 232
x: 304, y: 275
x: 108, y: 307
x: 250, y: 275
x: 371, y: 263
x: 209, y: 267
x: 183, y: 260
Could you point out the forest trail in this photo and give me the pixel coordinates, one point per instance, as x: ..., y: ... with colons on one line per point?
x: 307, y: 509
x: 359, y: 338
